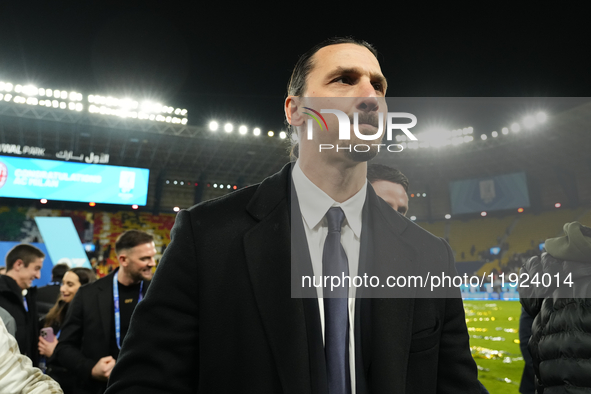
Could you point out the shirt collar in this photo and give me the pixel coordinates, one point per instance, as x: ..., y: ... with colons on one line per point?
x: 314, y: 202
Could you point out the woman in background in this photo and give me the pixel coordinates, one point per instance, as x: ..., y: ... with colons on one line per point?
x: 71, y: 282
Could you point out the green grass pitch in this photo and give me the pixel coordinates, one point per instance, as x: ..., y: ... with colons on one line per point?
x: 493, y: 327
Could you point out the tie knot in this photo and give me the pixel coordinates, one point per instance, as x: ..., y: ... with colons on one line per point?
x: 335, y: 217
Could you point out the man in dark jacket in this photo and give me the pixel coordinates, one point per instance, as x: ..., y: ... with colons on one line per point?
x: 98, y: 318
x: 48, y: 295
x: 557, y: 294
x: 219, y: 316
x: 23, y: 265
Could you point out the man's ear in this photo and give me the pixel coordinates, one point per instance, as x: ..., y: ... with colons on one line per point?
x: 122, y: 259
x: 18, y: 264
x: 292, y: 113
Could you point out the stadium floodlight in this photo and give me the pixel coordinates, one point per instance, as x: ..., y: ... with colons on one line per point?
x: 515, y: 127
x: 270, y: 133
x: 176, y: 209
x: 242, y: 129
x: 228, y: 186
x: 7, y: 97
x: 134, y: 206
x: 541, y: 117
x: 529, y: 122
x: 557, y: 205
x: 483, y: 137
x: 282, y: 135
x: 448, y: 216
x: 483, y: 214
x: 413, y: 218
x: 43, y: 201
x: 256, y: 131
x: 215, y: 185
x: 228, y: 127
x: 505, y: 131
x: 18, y: 88
x: 495, y: 134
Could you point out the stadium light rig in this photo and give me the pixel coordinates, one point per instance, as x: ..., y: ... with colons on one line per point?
x: 103, y: 105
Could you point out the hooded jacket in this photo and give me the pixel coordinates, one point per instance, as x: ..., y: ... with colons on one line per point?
x: 560, y: 344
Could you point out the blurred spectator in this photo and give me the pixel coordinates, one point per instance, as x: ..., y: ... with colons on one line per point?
x: 2, y: 270
x: 391, y: 185
x: 99, y: 315
x: 559, y: 345
x: 23, y: 265
x: 72, y: 281
x: 9, y: 321
x: 48, y: 295
x: 17, y: 374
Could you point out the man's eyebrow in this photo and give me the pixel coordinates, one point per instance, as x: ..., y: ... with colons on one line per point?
x: 354, y: 70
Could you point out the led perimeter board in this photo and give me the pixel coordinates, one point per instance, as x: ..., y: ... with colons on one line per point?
x: 66, y: 181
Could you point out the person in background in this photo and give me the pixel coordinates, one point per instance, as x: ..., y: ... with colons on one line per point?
x: 8, y: 320
x: 559, y: 343
x: 2, y: 270
x: 98, y: 317
x: 391, y: 185
x: 17, y: 374
x: 71, y: 282
x: 23, y: 263
x: 48, y: 295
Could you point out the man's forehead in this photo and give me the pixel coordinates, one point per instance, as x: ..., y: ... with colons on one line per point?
x: 346, y: 56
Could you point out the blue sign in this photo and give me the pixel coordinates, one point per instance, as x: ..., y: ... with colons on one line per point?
x: 22, y: 177
x: 489, y: 194
x: 62, y: 241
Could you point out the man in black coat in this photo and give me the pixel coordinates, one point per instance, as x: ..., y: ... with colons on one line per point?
x: 48, y: 295
x: 219, y: 316
x: 17, y: 297
x: 96, y: 324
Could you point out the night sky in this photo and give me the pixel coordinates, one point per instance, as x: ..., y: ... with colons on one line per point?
x: 233, y: 63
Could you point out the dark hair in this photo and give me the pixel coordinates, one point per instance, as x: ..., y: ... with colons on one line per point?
x: 132, y: 238
x: 297, y: 82
x: 57, y: 313
x: 25, y: 252
x: 379, y: 172
x: 58, y: 271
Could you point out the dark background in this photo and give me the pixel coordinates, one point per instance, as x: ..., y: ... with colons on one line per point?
x: 232, y: 62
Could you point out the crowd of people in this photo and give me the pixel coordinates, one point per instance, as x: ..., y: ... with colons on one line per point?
x: 77, y: 339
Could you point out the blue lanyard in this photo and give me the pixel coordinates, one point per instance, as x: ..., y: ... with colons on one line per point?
x: 25, y: 303
x: 117, y: 311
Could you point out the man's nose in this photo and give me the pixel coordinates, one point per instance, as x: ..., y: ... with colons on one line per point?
x: 368, y: 104
x: 38, y: 275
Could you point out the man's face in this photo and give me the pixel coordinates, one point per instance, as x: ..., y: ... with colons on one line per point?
x: 26, y: 275
x: 346, y: 77
x: 139, y: 261
x: 393, y: 193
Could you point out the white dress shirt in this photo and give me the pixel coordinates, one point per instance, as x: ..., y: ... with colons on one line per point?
x: 314, y: 203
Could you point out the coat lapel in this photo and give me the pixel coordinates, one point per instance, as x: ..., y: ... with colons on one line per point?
x: 267, y: 247
x: 383, y: 323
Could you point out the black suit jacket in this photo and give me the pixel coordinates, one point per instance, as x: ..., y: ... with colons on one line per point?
x: 87, y: 331
x: 27, y: 323
x: 219, y: 317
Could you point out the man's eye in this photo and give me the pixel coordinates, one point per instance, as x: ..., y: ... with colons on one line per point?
x: 378, y: 86
x: 346, y: 80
